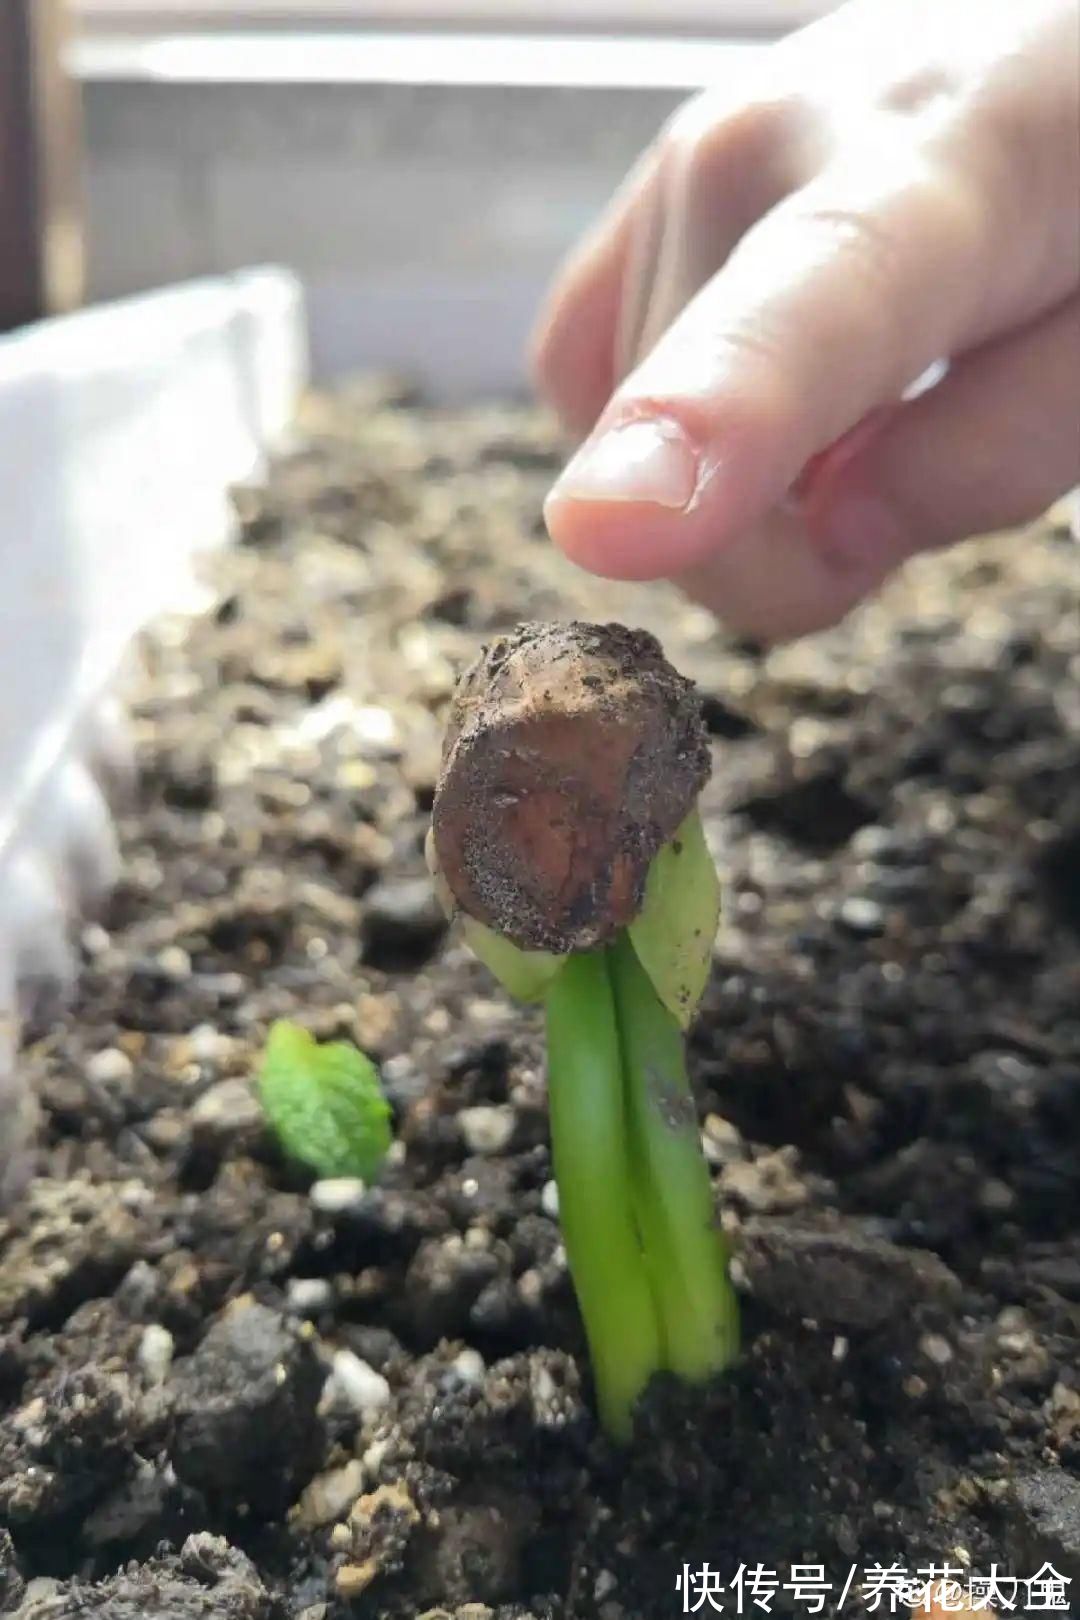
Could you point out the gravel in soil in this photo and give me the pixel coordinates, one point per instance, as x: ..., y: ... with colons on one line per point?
x: 226, y: 1392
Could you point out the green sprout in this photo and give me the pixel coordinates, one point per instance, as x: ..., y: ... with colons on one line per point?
x: 324, y: 1103
x: 648, y: 1260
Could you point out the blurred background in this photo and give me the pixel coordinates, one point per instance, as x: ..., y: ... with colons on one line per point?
x: 412, y: 170
x: 421, y: 164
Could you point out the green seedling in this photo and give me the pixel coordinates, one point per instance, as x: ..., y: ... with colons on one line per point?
x: 566, y: 830
x: 324, y: 1103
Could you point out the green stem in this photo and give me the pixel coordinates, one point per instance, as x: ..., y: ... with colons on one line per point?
x: 686, y: 1255
x: 592, y: 1160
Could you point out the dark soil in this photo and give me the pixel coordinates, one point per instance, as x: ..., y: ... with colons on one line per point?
x: 888, y: 1068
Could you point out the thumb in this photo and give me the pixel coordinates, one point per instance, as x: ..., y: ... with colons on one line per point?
x: 993, y: 445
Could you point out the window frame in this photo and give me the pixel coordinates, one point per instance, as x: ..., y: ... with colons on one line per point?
x: 699, y: 17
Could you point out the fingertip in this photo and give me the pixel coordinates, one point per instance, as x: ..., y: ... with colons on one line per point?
x: 637, y: 540
x: 663, y: 483
x: 597, y: 538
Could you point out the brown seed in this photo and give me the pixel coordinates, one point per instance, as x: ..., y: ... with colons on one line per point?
x: 573, y: 753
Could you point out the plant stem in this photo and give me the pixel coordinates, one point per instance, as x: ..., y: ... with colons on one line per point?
x: 597, y: 1204
x: 685, y: 1253
x: 648, y: 1261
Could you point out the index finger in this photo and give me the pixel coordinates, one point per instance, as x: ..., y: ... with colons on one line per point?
x: 891, y: 259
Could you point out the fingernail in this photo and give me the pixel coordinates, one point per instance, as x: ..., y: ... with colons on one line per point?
x: 860, y: 532
x: 640, y: 461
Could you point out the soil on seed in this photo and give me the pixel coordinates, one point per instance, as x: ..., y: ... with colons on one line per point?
x: 572, y: 753
x: 887, y: 1064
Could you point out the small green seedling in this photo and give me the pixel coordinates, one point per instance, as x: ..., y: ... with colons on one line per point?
x: 324, y: 1103
x: 566, y: 830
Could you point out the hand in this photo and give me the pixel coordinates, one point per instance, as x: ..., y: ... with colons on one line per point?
x: 900, y: 185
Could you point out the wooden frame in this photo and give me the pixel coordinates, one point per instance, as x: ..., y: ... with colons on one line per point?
x: 711, y: 17
x: 41, y: 255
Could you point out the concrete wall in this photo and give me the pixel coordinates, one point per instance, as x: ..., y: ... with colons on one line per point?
x: 423, y: 219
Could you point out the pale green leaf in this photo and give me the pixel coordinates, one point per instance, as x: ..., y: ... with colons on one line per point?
x: 673, y: 934
x: 526, y: 975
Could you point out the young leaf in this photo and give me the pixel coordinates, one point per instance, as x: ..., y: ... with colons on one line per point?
x: 674, y: 931
x: 324, y: 1103
x: 526, y: 975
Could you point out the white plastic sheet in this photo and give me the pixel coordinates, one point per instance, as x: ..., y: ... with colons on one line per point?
x: 122, y: 430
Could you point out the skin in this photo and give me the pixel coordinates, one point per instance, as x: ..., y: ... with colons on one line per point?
x: 738, y: 340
